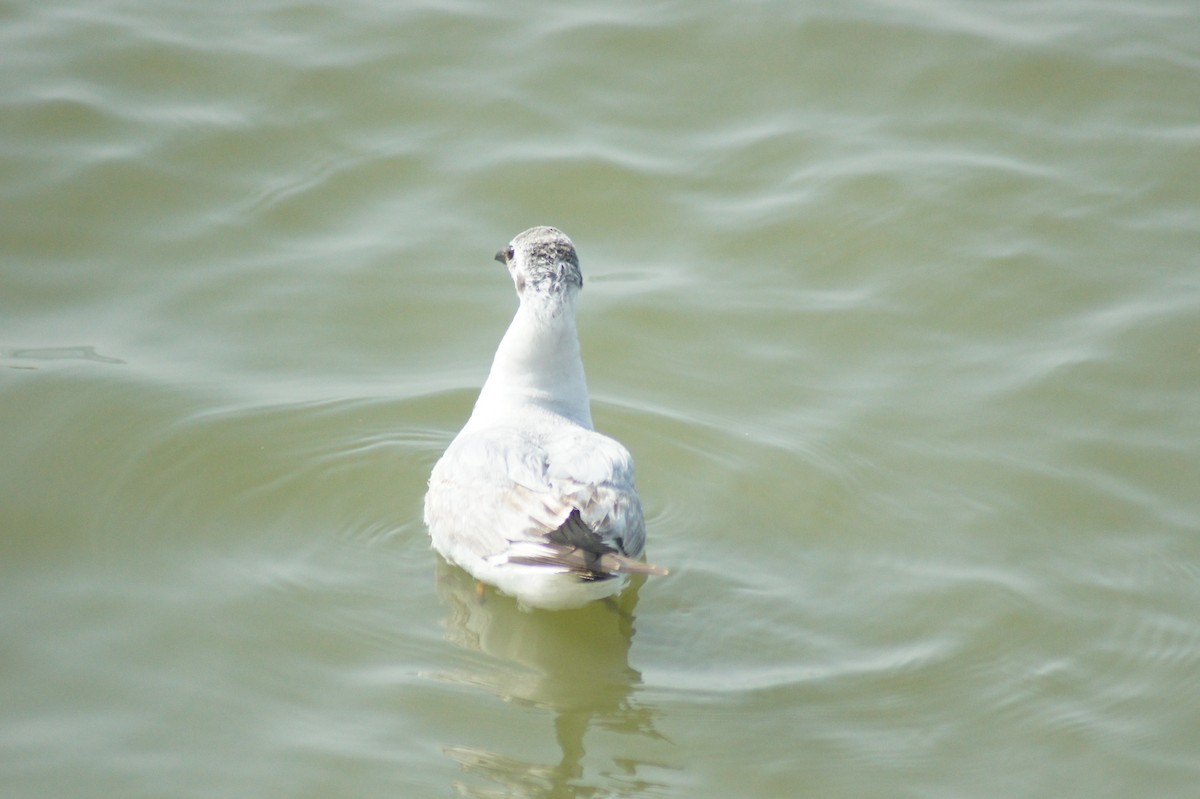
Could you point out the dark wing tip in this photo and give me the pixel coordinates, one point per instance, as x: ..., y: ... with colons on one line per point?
x: 580, y: 549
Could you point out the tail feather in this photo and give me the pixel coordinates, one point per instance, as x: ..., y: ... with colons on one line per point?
x: 619, y: 564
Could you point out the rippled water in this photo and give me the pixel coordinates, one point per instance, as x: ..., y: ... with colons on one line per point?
x: 897, y: 306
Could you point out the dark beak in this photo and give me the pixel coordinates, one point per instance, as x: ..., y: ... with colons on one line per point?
x: 500, y: 257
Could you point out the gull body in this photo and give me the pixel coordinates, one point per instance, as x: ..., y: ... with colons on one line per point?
x: 528, y: 496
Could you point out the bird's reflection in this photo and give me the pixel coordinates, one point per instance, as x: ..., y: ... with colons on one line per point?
x: 574, y: 664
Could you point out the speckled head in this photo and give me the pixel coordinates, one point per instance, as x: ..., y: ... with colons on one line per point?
x: 543, y: 260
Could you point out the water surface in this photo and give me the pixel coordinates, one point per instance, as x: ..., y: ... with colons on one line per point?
x: 897, y: 306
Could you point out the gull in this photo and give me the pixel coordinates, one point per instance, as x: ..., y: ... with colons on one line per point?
x: 528, y: 497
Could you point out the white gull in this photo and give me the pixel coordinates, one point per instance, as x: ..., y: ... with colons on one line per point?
x: 528, y: 496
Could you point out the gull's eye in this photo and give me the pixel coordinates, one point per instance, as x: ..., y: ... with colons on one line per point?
x: 510, y: 252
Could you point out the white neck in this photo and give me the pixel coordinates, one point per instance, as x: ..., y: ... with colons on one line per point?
x: 537, y: 366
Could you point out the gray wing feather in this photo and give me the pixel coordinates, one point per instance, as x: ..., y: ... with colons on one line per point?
x: 490, y: 492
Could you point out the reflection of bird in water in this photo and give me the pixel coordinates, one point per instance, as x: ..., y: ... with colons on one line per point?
x: 529, y: 497
x: 574, y: 664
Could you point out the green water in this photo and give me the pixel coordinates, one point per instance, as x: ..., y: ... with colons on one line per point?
x: 896, y: 305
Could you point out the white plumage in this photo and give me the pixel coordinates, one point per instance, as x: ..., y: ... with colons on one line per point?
x: 528, y: 497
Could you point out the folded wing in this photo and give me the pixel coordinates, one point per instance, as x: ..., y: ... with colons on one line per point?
x: 565, y: 502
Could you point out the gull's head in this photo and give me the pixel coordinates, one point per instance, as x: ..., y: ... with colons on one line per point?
x: 542, y: 261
